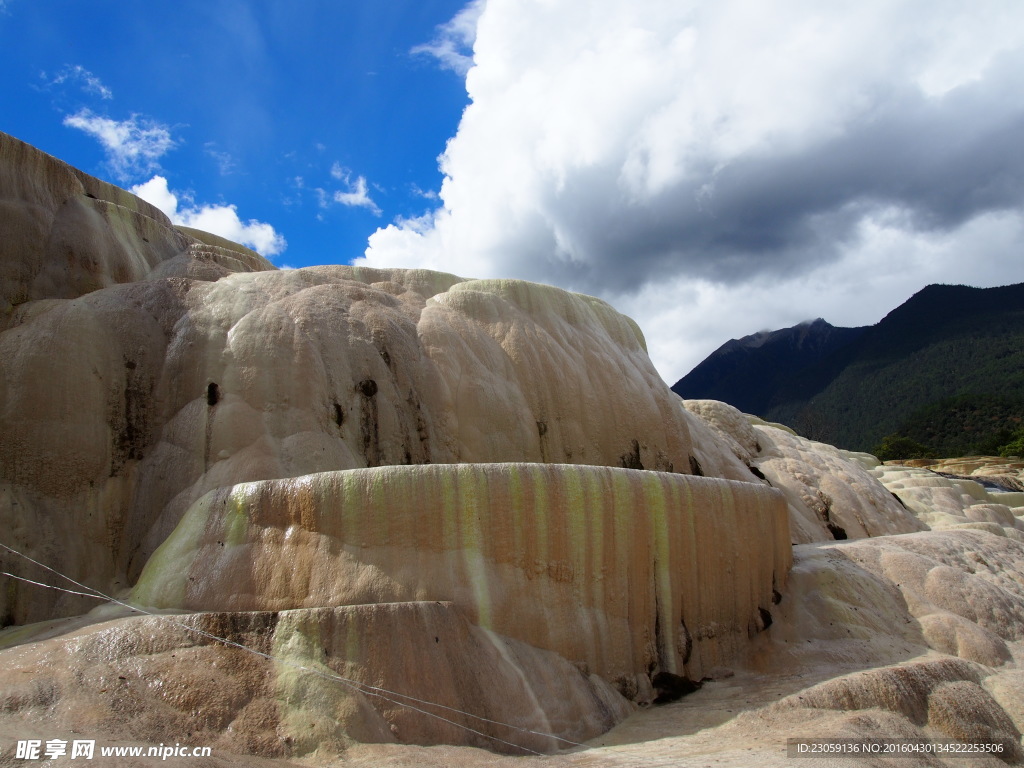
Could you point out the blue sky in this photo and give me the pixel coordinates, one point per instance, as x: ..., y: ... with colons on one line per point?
x: 245, y: 104
x: 711, y: 169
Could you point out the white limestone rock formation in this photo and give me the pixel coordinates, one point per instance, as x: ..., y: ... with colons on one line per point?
x: 945, y: 697
x: 630, y: 573
x: 927, y: 627
x: 831, y: 493
x: 428, y: 484
x: 146, y: 365
x: 338, y: 676
x: 1007, y: 472
x: 942, y: 502
x: 957, y: 592
x: 125, y: 406
x: 67, y: 233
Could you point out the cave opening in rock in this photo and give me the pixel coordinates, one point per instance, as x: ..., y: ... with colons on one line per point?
x: 838, y: 532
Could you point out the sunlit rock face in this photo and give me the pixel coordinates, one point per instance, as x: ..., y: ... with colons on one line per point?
x: 67, y: 233
x: 433, y: 485
x: 631, y: 573
x: 124, y: 406
x: 492, y: 464
x: 921, y: 636
x: 958, y: 592
x: 323, y: 691
x: 1001, y: 470
x: 146, y: 365
x: 832, y: 494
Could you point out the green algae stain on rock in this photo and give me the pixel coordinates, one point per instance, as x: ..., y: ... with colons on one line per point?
x: 311, y: 700
x: 164, y: 581
x: 167, y: 579
x: 612, y: 567
x: 235, y: 527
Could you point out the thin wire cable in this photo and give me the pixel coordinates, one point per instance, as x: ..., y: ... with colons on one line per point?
x: 359, y: 687
x: 96, y: 594
x: 49, y: 586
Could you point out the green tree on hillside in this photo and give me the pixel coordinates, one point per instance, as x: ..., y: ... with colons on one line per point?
x: 1016, y: 445
x: 895, y: 447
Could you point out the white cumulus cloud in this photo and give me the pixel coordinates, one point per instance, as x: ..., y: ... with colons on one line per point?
x: 452, y: 46
x: 89, y: 82
x: 356, y: 193
x: 220, y: 219
x: 733, y: 158
x: 133, y: 146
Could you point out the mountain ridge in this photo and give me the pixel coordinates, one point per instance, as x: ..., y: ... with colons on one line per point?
x: 944, y: 344
x: 772, y: 356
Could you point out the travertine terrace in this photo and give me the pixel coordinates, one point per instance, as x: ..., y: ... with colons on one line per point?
x: 403, y: 516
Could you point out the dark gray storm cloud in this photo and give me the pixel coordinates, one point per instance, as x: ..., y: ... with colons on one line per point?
x: 936, y: 162
x: 616, y: 148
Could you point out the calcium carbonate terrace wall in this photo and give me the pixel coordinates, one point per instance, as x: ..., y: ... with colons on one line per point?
x: 144, y: 366
x: 631, y: 572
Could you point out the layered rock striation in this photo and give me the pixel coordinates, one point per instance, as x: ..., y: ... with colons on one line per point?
x: 630, y: 573
x: 67, y: 233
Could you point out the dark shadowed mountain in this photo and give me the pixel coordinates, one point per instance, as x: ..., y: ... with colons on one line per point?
x: 749, y: 373
x: 946, y: 368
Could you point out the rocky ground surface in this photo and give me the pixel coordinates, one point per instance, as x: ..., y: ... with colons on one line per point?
x: 995, y: 472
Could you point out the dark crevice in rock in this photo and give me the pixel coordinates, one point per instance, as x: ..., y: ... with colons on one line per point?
x: 695, y: 467
x: 7, y: 617
x: 659, y: 640
x: 838, y: 533
x: 670, y: 687
x: 824, y: 511
x: 542, y: 430
x: 129, y: 419
x: 631, y: 459
x: 423, y: 433
x: 369, y: 424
